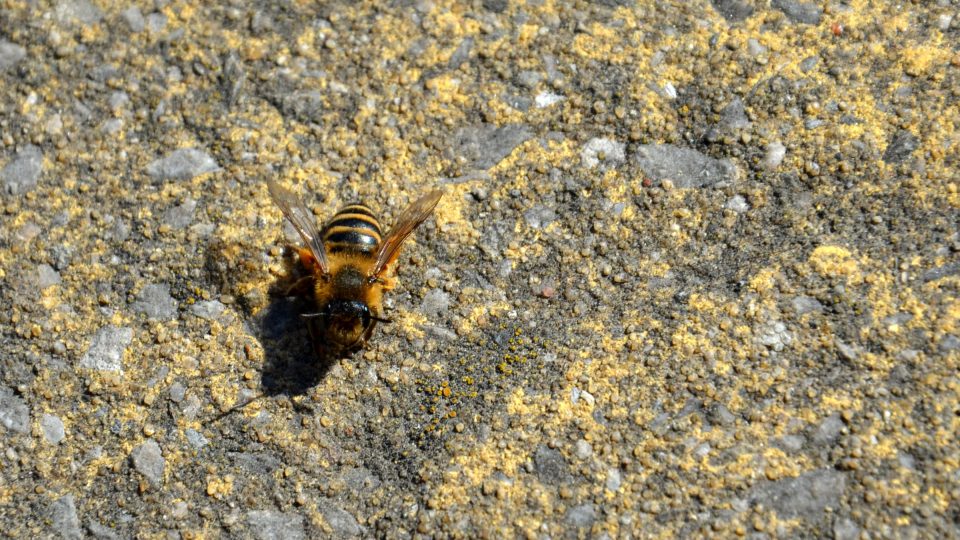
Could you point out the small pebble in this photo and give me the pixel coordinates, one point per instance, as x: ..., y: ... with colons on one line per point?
x: 148, y: 460
x: 53, y: 430
x: 775, y: 153
x: 182, y: 164
x: 106, y: 349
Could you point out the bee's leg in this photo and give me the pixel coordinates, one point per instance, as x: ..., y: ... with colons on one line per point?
x: 388, y: 283
x: 366, y: 335
x: 301, y: 287
x: 316, y: 338
x: 307, y: 260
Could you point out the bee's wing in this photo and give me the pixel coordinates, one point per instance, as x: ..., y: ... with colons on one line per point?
x: 414, y: 215
x: 302, y: 220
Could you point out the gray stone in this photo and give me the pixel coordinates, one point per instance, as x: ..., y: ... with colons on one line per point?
x: 134, y: 19
x: 118, y: 100
x: 435, y: 302
x: 685, y: 167
x: 755, y: 48
x: 539, y: 216
x: 733, y: 10
x: 182, y: 164
x: 341, y: 521
x: 738, y: 204
x: 14, y: 413
x: 156, y: 22
x: 582, y: 449
x: 21, y: 174
x: 582, y: 516
x: 576, y: 394
x: 28, y: 232
x: 900, y: 318
x: 180, y: 510
x: 360, y: 478
x: 64, y: 519
x: 77, y: 11
x: 52, y: 428
x: 261, y: 23
x: 550, y: 466
x: 829, y: 430
x: 614, y: 479
x: 177, y: 392
x: 809, y: 63
x: 702, y: 450
x: 120, y: 230
x: 907, y: 461
x: 901, y: 146
x: 602, y: 150
x: 196, y: 439
x: 304, y: 105
x: 101, y: 531
x: 801, y: 12
x: 104, y: 72
x: 773, y: 155
x: 734, y: 116
x: 807, y: 496
x: 148, y: 460
x: 462, y: 54
x: 790, y: 443
x: 47, y: 276
x: 440, y: 332
x: 53, y: 125
x: 208, y: 309
x: 155, y: 302
x: 944, y: 20
x: 273, y: 525
x: 234, y: 77
x: 257, y: 463
x: 949, y: 343
x: 496, y: 6
x: 546, y: 99
x: 10, y: 55
x: 940, y: 272
x: 774, y: 335
x: 806, y: 304
x: 485, y: 145
x: 720, y: 414
x: 191, y: 406
x: 529, y: 79
x: 112, y: 126
x: 520, y: 103
x: 848, y: 352
x: 845, y: 529
x: 106, y: 349
x: 180, y: 216
x: 668, y: 91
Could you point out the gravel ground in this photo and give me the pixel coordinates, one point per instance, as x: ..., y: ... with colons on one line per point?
x: 696, y: 271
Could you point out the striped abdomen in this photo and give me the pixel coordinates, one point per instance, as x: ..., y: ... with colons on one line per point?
x: 353, y: 229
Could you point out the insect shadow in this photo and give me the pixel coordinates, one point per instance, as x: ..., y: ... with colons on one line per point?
x: 293, y: 363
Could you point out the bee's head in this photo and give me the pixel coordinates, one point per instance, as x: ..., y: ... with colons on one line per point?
x: 348, y: 310
x: 345, y: 321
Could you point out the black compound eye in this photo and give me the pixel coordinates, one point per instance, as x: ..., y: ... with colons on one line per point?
x: 364, y: 313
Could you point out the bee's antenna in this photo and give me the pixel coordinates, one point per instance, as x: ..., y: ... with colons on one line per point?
x: 378, y: 319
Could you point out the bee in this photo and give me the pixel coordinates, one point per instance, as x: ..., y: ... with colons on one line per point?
x: 347, y: 264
